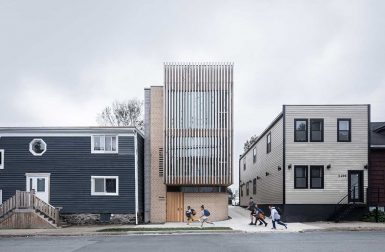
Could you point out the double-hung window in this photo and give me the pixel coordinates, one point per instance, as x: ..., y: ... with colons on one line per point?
x: 255, y: 186
x: 316, y: 177
x: 104, y: 144
x: 268, y: 143
x: 300, y: 177
x: 300, y: 130
x: 247, y: 189
x: 316, y: 130
x: 105, y: 185
x: 344, y: 130
x: 254, y: 154
x: 1, y: 159
x: 244, y: 164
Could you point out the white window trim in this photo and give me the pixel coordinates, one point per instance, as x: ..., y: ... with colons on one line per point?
x: 31, y: 150
x: 2, y: 160
x: 93, y: 193
x: 104, y: 151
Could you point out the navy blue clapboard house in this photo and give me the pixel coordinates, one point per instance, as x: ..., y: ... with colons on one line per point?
x: 92, y: 174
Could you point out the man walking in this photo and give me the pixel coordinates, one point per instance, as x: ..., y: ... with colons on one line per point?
x: 252, y: 209
x: 276, y: 217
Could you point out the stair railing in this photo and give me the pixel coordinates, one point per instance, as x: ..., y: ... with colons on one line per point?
x: 28, y: 200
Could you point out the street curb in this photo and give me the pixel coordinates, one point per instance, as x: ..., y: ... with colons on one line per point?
x: 356, y: 229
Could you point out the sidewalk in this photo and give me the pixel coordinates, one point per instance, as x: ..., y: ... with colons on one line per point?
x: 238, y: 223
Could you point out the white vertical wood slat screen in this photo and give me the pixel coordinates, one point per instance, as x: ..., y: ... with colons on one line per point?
x: 198, y: 105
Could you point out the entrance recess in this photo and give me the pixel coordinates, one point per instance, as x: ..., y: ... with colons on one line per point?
x: 356, y: 186
x: 175, y: 209
x: 40, y: 183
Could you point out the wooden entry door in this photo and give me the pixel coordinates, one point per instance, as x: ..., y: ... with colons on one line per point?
x: 175, y: 209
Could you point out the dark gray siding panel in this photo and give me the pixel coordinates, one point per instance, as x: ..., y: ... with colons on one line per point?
x: 71, y: 165
x: 141, y: 173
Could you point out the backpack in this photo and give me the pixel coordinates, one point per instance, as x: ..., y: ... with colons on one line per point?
x: 188, y: 213
x: 206, y: 212
x: 193, y: 212
x: 279, y: 211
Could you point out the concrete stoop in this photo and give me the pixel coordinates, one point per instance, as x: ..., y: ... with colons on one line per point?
x: 26, y: 219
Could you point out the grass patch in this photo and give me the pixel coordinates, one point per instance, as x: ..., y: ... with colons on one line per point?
x: 164, y: 229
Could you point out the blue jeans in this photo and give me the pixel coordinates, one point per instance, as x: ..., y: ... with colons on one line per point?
x: 279, y: 222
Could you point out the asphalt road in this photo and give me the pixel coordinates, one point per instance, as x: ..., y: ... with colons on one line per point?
x: 313, y: 241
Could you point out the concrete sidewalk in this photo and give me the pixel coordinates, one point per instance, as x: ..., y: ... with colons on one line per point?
x: 238, y: 222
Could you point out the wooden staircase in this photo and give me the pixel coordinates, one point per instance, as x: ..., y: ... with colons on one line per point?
x: 26, y: 210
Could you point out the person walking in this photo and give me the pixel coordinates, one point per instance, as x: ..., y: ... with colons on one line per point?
x: 205, y: 216
x: 276, y: 217
x: 252, y: 209
x: 259, y: 216
x: 189, y: 215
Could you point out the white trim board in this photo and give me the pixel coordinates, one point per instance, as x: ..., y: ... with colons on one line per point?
x: 93, y: 193
x: 2, y: 159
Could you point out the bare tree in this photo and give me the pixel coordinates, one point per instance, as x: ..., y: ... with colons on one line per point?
x: 127, y: 113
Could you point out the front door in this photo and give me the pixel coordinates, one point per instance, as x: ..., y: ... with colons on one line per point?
x: 39, y: 183
x: 174, y: 208
x: 356, y: 186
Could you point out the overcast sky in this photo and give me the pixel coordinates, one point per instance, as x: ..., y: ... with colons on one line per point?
x: 61, y: 62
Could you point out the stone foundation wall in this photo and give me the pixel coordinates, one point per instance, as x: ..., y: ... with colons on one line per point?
x: 94, y: 219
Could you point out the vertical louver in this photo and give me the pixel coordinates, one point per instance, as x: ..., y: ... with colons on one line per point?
x: 198, y: 123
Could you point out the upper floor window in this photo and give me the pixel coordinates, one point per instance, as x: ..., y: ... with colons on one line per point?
x: 247, y: 189
x: 300, y: 177
x: 241, y: 190
x: 300, y: 130
x: 104, y: 185
x: 344, y: 130
x: 268, y: 143
x: 255, y: 186
x: 1, y: 160
x: 37, y: 147
x: 316, y: 177
x: 316, y: 130
x: 244, y: 164
x: 104, y: 144
x: 254, y: 155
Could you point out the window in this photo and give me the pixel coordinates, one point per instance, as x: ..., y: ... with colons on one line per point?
x: 241, y: 190
x: 268, y: 143
x: 255, y: 186
x: 37, y: 147
x: 1, y: 197
x: 104, y: 144
x: 1, y: 159
x: 244, y: 164
x: 40, y: 185
x: 247, y: 189
x: 316, y: 177
x: 104, y: 185
x: 254, y: 155
x: 316, y: 130
x: 300, y: 177
x: 300, y: 130
x: 343, y: 130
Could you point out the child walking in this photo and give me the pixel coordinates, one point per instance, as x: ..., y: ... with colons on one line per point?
x: 205, y: 216
x: 275, y: 217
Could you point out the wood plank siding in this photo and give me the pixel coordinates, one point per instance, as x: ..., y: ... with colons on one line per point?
x: 269, y: 188
x: 341, y: 156
x: 376, y: 192
x: 198, y: 124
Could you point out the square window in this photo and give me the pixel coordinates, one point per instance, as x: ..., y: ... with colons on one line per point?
x: 105, y: 185
x: 104, y: 144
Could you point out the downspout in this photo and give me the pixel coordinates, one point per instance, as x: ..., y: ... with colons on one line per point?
x: 284, y: 151
x: 136, y: 178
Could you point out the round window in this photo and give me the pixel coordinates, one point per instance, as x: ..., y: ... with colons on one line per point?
x: 37, y: 147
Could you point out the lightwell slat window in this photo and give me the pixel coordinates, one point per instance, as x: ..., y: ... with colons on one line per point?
x: 255, y: 186
x: 268, y: 143
x: 1, y: 159
x: 300, y: 177
x: 105, y: 185
x: 317, y: 177
x: 300, y: 130
x: 344, y: 130
x: 254, y: 155
x: 104, y: 144
x: 316, y: 130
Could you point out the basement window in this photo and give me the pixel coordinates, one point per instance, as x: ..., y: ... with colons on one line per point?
x: 105, y: 185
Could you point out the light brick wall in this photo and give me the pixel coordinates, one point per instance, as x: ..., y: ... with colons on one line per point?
x: 158, y: 188
x: 216, y: 203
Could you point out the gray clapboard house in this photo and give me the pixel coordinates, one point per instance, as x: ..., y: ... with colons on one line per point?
x: 90, y: 174
x: 312, y: 161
